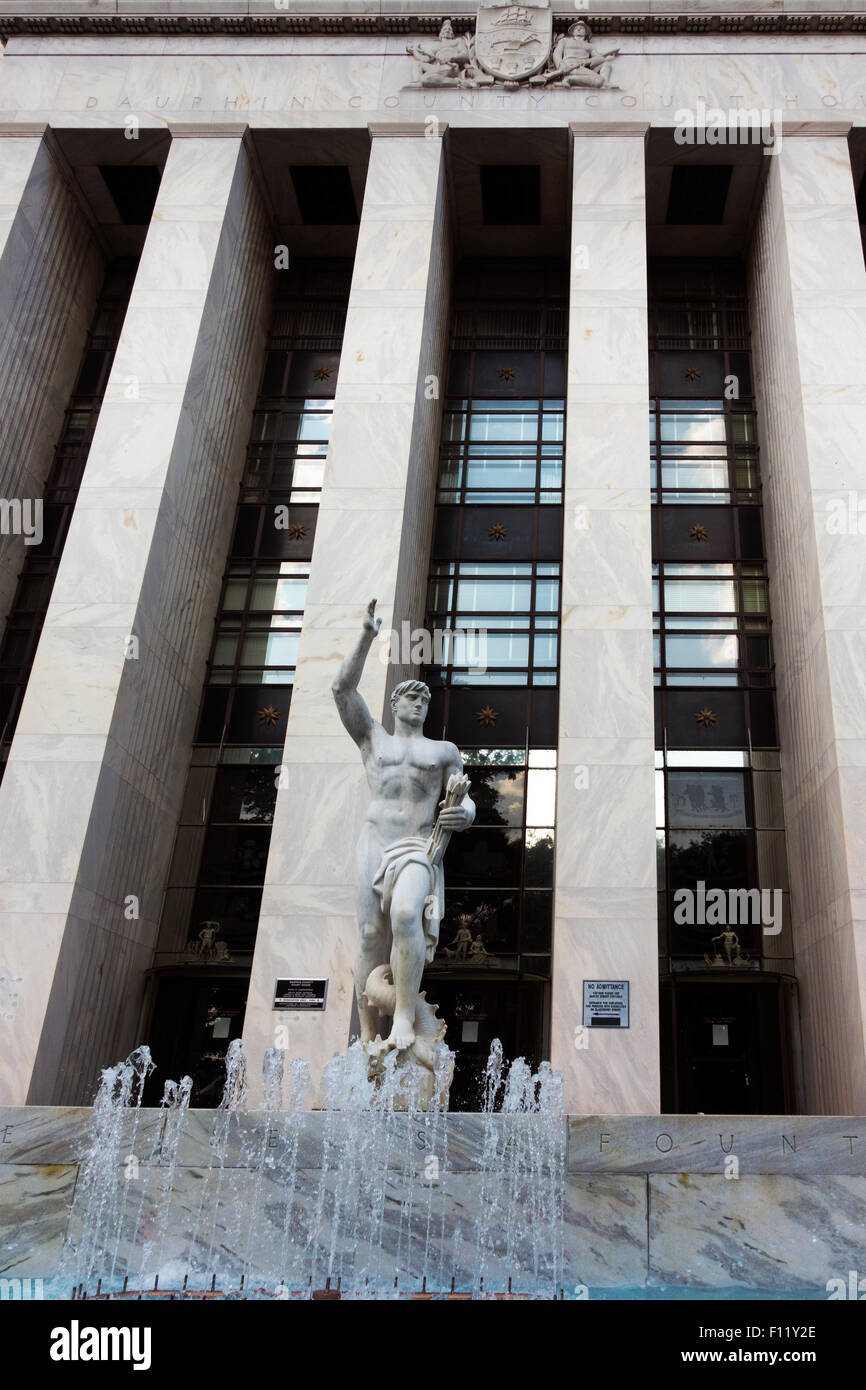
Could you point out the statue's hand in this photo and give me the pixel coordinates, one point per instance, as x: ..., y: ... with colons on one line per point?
x: 454, y: 817
x: 371, y: 622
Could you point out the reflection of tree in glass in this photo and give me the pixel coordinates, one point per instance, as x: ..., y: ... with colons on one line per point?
x: 246, y: 793
x: 498, y: 796
x: 716, y: 856
x: 538, y: 871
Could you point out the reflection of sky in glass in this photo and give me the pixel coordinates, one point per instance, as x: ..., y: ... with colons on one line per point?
x: 282, y: 648
x: 540, y: 796
x: 510, y: 800
x: 702, y: 651
x: 511, y: 426
x: 693, y: 429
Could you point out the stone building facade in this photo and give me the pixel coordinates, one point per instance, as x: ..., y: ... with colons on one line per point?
x: 307, y: 303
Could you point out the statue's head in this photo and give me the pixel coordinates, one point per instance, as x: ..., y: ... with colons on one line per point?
x: 447, y: 30
x: 409, y: 701
x: 581, y: 30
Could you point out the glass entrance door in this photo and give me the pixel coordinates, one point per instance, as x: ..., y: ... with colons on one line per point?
x: 477, y: 1011
x: 724, y: 1048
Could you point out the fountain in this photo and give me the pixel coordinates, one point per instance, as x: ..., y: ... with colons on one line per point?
x: 363, y: 1199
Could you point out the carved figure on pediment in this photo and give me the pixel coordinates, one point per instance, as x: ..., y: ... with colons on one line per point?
x: 448, y: 61
x: 574, y: 61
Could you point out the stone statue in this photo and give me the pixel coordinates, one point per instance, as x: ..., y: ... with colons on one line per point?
x: 478, y: 951
x: 447, y: 61
x: 731, y: 947
x: 399, y: 856
x: 575, y: 63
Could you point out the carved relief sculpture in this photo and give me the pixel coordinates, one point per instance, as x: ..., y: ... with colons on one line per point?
x: 511, y: 45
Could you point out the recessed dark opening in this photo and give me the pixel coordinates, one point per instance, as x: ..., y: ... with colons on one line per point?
x: 698, y: 194
x: 134, y: 188
x: 861, y: 200
x: 511, y: 194
x: 324, y: 194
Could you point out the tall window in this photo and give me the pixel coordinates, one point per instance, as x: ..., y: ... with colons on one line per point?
x: 493, y: 609
x: 499, y: 622
x: 719, y: 810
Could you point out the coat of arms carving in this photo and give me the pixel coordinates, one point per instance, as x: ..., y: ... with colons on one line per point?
x: 512, y: 44
x: 513, y: 41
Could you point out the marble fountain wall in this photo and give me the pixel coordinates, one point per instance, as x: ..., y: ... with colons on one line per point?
x: 647, y: 1202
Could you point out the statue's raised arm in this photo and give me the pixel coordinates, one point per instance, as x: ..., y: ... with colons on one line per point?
x: 352, y: 707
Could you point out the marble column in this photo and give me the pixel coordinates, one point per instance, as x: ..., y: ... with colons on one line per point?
x: 92, y: 791
x: 51, y: 266
x: 605, y: 910
x: 372, y: 540
x: 808, y: 302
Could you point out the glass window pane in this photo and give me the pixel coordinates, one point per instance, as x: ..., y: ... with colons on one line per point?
x: 235, y: 594
x: 501, y: 473
x: 719, y: 857
x: 224, y: 650
x: 754, y: 596
x: 545, y: 650
x: 513, y: 425
x: 538, y: 865
x: 551, y: 473
x: 307, y: 473
x: 692, y: 427
x: 505, y: 595
x: 702, y: 651
x: 498, y: 796
x: 540, y: 796
x: 707, y: 757
x: 270, y: 649
x: 505, y: 649
x: 542, y: 757
x: 706, y: 799
x: 742, y: 428
x: 687, y: 473
x: 547, y: 595
x: 705, y: 596
x: 244, y: 793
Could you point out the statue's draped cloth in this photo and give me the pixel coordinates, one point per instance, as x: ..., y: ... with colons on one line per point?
x: 412, y: 850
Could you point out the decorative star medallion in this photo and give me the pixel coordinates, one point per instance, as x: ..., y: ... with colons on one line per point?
x: 699, y: 533
x: 487, y: 716
x: 693, y: 373
x: 507, y: 374
x: 497, y: 531
x: 297, y: 531
x: 268, y: 715
x: 705, y: 718
x: 323, y: 373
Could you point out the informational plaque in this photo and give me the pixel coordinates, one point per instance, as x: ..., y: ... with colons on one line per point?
x: 605, y: 1003
x: 300, y: 994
